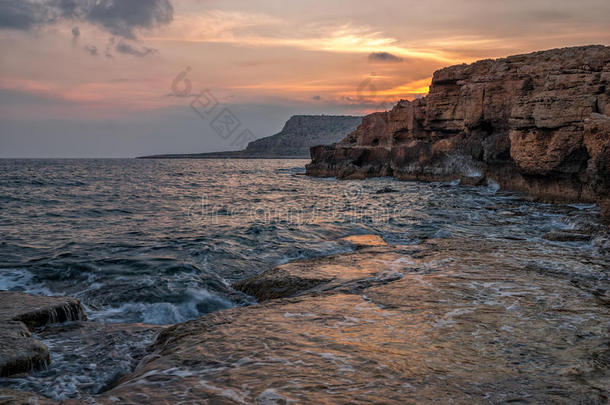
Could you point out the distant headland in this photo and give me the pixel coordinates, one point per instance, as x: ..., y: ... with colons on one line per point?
x: 294, y: 140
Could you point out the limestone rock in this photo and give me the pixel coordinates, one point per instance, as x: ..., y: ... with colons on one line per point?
x: 36, y: 310
x: 19, y: 352
x: 475, y: 328
x: 365, y: 266
x: 536, y: 123
x: 301, y: 132
x: 88, y: 357
x: 294, y: 140
x: 361, y: 241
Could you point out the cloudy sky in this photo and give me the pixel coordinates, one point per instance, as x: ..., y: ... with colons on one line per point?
x: 104, y: 78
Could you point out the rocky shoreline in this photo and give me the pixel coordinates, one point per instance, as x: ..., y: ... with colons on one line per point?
x: 20, y: 314
x: 455, y: 319
x: 384, y: 323
x: 536, y: 123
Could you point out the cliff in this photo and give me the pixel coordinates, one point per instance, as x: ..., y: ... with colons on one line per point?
x: 294, y: 140
x: 537, y: 123
x: 301, y: 132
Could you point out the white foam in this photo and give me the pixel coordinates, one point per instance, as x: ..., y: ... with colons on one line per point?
x: 162, y: 313
x: 492, y: 186
x: 21, y: 280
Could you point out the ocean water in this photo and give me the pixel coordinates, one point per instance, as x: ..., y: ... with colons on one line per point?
x: 161, y: 241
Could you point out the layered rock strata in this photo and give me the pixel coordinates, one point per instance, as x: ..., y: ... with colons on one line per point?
x: 537, y: 123
x: 19, y: 314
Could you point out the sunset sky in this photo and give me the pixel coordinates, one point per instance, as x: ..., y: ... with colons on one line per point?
x: 94, y: 78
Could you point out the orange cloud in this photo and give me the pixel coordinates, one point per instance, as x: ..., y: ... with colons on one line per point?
x: 245, y: 29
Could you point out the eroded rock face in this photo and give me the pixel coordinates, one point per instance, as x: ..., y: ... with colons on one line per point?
x: 36, y: 310
x: 537, y: 123
x: 19, y: 351
x: 301, y: 132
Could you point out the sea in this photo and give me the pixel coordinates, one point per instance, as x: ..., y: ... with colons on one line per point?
x: 161, y: 241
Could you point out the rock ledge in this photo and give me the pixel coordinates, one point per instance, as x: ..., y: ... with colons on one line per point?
x: 19, y: 312
x: 536, y: 123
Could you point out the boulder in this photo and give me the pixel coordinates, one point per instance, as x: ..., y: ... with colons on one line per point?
x: 20, y: 312
x: 37, y: 310
x: 19, y: 351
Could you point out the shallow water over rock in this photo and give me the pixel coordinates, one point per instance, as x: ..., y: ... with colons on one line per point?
x: 469, y: 301
x: 464, y: 324
x: 86, y: 358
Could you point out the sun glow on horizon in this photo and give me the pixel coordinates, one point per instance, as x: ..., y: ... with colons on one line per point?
x: 265, y: 58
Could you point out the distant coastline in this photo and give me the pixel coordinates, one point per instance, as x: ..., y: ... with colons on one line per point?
x: 218, y: 155
x: 299, y: 133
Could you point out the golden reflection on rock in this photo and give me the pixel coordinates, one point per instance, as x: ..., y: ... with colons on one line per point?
x: 365, y: 240
x: 464, y: 322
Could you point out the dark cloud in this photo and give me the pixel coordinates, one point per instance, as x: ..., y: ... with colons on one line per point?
x: 384, y: 57
x: 119, y: 17
x: 125, y: 48
x: 75, y: 35
x: 19, y: 14
x: 92, y: 49
x: 316, y: 98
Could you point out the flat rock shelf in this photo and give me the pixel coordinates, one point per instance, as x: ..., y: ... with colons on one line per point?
x: 447, y: 320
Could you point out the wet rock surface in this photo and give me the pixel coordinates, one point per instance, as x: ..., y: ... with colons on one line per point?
x: 537, y: 123
x: 14, y: 397
x: 36, y: 310
x: 567, y: 236
x: 87, y: 358
x: 19, y: 351
x: 47, y: 347
x: 19, y: 314
x: 465, y: 321
x: 368, y: 265
x: 360, y: 241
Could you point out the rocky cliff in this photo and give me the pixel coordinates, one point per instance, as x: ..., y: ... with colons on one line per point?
x: 537, y: 123
x: 300, y: 133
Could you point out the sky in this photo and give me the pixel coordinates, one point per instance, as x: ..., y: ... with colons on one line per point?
x: 124, y: 78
